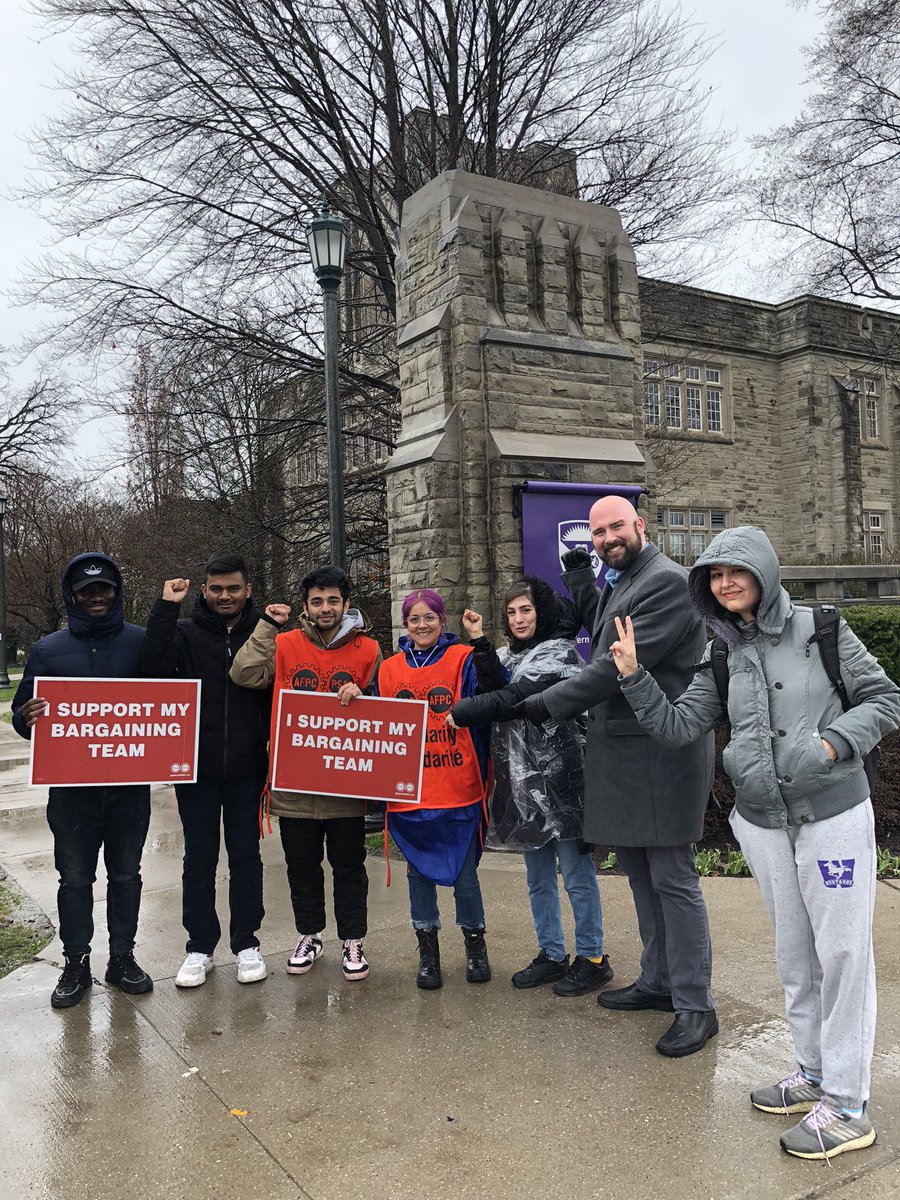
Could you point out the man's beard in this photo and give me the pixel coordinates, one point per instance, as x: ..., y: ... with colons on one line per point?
x: 631, y: 551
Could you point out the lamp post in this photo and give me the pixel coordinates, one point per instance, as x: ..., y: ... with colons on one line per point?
x: 327, y: 239
x: 4, y: 674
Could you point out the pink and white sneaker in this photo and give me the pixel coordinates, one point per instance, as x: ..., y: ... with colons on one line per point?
x: 307, y: 950
x: 353, y: 960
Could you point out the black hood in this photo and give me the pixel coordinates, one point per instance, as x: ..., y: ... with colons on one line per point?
x: 80, y: 624
x: 557, y: 616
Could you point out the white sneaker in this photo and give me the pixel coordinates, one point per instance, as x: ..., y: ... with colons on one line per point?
x: 194, y: 970
x: 353, y: 960
x: 307, y: 950
x: 251, y: 966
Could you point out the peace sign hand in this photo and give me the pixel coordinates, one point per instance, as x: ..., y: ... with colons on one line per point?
x: 623, y: 651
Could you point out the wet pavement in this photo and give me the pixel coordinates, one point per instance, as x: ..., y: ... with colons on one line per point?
x: 315, y: 1087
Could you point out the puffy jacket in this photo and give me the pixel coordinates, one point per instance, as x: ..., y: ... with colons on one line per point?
x: 538, y: 769
x: 234, y: 722
x: 781, y: 703
x: 107, y: 647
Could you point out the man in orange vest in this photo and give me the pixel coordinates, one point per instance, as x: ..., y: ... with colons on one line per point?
x: 330, y: 652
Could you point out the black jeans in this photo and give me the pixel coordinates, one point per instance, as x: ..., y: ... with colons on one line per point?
x: 304, y: 840
x: 205, y: 807
x: 82, y: 820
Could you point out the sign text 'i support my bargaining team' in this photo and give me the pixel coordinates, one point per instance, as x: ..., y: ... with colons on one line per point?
x: 372, y: 748
x: 107, y: 732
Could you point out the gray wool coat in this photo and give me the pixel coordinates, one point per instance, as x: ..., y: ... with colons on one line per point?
x: 637, y: 792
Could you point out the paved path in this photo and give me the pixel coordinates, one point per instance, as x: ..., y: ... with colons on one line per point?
x: 316, y: 1088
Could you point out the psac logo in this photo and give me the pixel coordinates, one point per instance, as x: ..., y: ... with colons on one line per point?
x: 837, y: 872
x: 338, y: 679
x: 404, y: 788
x: 573, y: 534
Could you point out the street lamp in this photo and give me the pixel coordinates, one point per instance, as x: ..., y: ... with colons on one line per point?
x: 4, y: 674
x: 327, y: 239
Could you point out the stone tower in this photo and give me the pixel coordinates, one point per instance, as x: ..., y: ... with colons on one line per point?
x: 518, y: 335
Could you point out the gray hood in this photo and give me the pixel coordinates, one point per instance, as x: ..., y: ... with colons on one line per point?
x: 745, y: 546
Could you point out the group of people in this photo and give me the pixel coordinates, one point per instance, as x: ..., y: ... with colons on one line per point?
x: 529, y: 748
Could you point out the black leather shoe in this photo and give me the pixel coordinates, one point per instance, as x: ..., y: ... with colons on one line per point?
x: 688, y: 1033
x: 584, y: 976
x: 633, y: 998
x: 542, y: 969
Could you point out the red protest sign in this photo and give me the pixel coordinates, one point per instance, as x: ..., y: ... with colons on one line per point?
x: 98, y: 732
x: 371, y: 748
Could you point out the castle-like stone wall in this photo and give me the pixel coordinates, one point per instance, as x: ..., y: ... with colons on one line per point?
x: 518, y: 336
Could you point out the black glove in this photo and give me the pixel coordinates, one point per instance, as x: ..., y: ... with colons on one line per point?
x: 534, y: 709
x: 573, y: 560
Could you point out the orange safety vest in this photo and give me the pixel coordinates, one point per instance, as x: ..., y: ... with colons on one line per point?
x: 452, y: 776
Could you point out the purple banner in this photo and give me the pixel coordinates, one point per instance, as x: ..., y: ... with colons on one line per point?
x: 554, y: 520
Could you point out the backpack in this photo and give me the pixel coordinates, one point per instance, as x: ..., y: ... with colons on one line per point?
x: 826, y: 618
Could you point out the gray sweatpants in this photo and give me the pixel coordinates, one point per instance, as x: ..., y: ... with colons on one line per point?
x: 818, y: 884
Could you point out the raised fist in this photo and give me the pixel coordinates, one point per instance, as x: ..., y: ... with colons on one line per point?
x: 175, y: 589
x: 572, y: 560
x: 279, y: 613
x: 471, y: 623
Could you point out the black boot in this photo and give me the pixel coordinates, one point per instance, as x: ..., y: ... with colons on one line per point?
x: 478, y: 969
x: 429, y: 976
x: 73, y: 983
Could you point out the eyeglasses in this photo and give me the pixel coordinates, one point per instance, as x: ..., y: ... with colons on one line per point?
x: 415, y: 622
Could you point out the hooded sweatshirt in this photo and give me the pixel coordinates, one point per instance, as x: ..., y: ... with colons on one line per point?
x: 781, y: 703
x: 298, y: 659
x: 106, y: 647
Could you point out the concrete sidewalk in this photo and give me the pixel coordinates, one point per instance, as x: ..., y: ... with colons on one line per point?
x: 316, y: 1088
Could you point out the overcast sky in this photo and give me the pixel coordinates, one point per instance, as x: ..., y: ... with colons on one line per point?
x: 756, y: 77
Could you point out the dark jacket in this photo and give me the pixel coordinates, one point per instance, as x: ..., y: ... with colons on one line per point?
x: 234, y: 722
x: 538, y: 769
x: 107, y: 647
x: 637, y: 792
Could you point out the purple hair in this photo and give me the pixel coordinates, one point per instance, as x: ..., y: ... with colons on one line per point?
x: 428, y: 596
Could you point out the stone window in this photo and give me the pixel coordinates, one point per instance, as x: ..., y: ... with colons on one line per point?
x: 875, y: 533
x: 684, y: 396
x: 684, y: 533
x: 869, y: 393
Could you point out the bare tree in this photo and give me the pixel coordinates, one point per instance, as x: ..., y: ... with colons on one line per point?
x: 201, y: 135
x: 32, y: 426
x: 832, y: 184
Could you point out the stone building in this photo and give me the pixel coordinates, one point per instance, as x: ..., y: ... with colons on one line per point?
x: 786, y: 415
x: 527, y: 348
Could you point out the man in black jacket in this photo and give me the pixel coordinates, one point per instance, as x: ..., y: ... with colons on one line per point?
x: 98, y: 642
x: 232, y: 762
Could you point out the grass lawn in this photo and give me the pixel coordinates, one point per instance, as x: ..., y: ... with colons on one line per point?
x: 18, y: 943
x: 6, y: 694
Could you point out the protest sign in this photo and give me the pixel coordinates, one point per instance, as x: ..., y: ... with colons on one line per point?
x: 106, y: 732
x: 371, y: 748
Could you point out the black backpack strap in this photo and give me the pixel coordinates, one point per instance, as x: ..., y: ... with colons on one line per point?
x: 718, y: 660
x: 827, y: 621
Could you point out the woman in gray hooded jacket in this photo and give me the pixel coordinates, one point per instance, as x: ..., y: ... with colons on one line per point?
x: 802, y: 816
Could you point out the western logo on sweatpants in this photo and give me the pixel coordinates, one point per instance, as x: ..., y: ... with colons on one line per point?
x: 837, y: 872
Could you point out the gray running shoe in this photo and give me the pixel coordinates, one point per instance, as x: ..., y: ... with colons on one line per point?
x: 793, y: 1094
x: 826, y: 1131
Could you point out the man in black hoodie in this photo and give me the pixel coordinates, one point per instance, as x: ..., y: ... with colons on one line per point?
x: 96, y: 642
x: 232, y: 762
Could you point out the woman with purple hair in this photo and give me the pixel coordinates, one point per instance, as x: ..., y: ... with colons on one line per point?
x: 442, y: 836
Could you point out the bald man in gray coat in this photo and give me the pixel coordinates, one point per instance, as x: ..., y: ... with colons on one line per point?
x: 643, y: 799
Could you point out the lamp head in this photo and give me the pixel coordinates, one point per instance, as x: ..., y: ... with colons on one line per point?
x: 326, y: 236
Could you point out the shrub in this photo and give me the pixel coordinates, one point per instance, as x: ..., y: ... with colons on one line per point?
x: 879, y: 627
